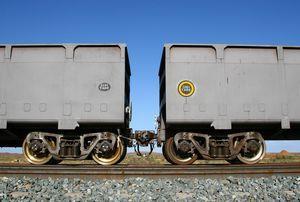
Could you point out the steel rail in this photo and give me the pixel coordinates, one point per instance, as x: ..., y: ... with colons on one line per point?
x: 152, y: 171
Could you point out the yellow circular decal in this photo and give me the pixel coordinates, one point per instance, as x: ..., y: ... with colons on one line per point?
x: 186, y: 88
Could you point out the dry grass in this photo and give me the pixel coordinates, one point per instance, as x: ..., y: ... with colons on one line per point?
x: 11, y: 158
x: 154, y: 158
x: 281, y: 157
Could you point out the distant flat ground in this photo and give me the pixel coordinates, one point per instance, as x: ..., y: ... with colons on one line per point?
x: 157, y: 158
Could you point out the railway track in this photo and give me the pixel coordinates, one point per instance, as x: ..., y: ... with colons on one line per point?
x: 152, y: 171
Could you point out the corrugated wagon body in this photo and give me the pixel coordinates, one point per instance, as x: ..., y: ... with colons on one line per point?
x: 222, y: 89
x: 67, y: 85
x: 74, y: 87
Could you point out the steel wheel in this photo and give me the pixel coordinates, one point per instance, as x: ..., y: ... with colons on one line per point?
x: 114, y: 158
x: 176, y: 157
x: 33, y: 157
x: 124, y: 153
x: 253, y: 156
x: 165, y: 154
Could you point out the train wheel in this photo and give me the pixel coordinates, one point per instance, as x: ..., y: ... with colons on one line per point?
x: 34, y: 154
x: 165, y: 153
x: 177, y: 157
x: 114, y: 157
x: 254, y: 152
x: 124, y: 153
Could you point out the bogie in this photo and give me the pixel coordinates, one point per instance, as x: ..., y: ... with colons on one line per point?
x: 186, y: 147
x: 106, y: 148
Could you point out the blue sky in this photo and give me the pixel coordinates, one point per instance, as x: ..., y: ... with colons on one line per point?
x: 145, y: 26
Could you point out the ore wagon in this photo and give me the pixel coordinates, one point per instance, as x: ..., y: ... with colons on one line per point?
x: 224, y: 101
x: 63, y: 101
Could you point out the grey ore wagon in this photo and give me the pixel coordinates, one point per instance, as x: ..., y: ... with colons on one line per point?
x: 223, y: 101
x: 71, y: 99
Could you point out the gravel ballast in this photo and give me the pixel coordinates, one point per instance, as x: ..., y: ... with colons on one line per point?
x: 273, y: 188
